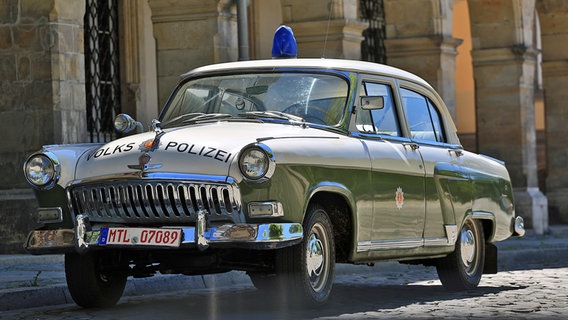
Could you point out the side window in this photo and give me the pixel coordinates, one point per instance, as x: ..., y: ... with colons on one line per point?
x: 423, y: 118
x: 437, y: 122
x: 380, y: 121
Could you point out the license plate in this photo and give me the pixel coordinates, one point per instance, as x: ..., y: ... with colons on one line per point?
x: 156, y: 237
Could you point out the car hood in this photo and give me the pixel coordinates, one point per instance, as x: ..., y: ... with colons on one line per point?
x: 204, y: 149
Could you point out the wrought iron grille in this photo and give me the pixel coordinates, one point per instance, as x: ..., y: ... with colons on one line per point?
x: 102, y: 70
x: 373, y: 47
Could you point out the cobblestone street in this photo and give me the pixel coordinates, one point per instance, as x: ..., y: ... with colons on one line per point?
x: 408, y: 292
x: 520, y: 294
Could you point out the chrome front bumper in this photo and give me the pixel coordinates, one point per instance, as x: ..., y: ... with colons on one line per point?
x: 253, y: 236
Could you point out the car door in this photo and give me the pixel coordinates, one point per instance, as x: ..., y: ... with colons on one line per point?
x: 397, y: 172
x: 446, y: 183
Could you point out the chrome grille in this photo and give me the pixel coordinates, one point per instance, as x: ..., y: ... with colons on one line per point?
x: 154, y: 201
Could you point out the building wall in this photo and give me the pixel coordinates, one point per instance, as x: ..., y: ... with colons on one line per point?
x: 42, y: 68
x: 42, y: 100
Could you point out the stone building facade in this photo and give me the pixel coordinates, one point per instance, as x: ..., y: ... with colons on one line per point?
x: 518, y: 50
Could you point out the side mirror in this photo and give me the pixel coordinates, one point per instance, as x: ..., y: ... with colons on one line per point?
x: 372, y: 102
x: 124, y: 123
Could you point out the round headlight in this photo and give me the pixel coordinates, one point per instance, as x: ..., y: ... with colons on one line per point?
x: 254, y: 163
x: 40, y: 171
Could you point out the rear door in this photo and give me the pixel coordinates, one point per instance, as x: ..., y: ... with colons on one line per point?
x: 447, y: 188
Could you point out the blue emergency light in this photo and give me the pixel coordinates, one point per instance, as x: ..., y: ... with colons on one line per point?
x: 284, y: 44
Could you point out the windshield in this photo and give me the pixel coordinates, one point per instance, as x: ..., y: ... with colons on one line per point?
x: 314, y: 98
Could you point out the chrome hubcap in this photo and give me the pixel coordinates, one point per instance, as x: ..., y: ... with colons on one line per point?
x: 316, y: 264
x: 314, y: 256
x: 468, y: 248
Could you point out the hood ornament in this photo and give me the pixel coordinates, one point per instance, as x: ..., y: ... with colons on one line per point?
x: 144, y: 163
x: 153, y: 144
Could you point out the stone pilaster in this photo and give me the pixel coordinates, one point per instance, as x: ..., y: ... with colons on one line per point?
x: 431, y: 57
x: 419, y: 40
x: 43, y: 97
x: 554, y: 36
x: 190, y: 34
x: 556, y: 95
x: 139, y: 96
x: 325, y: 29
x: 504, y: 80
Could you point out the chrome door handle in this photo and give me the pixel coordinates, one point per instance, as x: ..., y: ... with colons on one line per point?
x: 457, y: 152
x: 412, y: 145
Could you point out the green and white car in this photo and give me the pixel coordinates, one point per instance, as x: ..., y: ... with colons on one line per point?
x: 280, y: 168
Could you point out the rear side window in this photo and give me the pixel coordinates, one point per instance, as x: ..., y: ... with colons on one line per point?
x: 378, y: 121
x: 423, y: 117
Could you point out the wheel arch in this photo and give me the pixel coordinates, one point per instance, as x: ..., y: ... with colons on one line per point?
x: 487, y: 220
x: 488, y: 224
x: 338, y: 203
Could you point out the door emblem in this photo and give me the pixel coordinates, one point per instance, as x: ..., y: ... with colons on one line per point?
x: 399, y: 198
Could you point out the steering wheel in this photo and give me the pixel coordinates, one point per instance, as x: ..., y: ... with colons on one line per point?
x: 310, y: 113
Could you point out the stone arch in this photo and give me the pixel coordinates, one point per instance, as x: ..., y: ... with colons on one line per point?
x: 504, y: 63
x: 553, y: 16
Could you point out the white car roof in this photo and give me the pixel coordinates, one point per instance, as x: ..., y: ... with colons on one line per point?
x: 331, y: 64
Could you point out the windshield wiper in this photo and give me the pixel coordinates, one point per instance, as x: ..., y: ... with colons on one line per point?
x: 207, y: 116
x: 181, y: 118
x: 194, y: 117
x: 273, y: 115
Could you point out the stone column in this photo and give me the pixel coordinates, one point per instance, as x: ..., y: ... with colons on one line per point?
x: 42, y: 100
x: 139, y: 96
x: 555, y: 84
x: 506, y: 123
x: 189, y: 34
x: 504, y: 66
x: 325, y: 29
x: 554, y: 31
x: 419, y: 40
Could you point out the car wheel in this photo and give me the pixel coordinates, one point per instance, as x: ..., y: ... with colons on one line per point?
x: 463, y: 269
x: 89, y: 286
x: 308, y: 267
x: 303, y: 273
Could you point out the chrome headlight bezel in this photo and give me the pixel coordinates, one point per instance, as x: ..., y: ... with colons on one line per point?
x: 256, y: 163
x: 47, y: 170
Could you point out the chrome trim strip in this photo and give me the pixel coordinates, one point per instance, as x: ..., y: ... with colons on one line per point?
x: 435, y: 242
x: 372, y: 245
x: 451, y: 234
x: 450, y: 240
x: 482, y: 215
x: 156, y: 175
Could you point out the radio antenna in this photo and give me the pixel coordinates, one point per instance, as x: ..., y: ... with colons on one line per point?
x: 327, y: 29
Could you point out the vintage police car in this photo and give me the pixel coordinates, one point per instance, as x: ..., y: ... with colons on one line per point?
x: 280, y: 168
